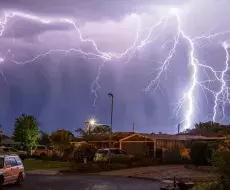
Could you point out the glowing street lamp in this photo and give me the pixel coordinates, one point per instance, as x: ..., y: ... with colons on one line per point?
x: 92, y: 121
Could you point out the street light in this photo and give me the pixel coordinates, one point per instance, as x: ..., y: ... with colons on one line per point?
x: 111, y: 124
x: 90, y: 123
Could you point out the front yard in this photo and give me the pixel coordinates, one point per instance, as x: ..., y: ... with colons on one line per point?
x: 33, y: 164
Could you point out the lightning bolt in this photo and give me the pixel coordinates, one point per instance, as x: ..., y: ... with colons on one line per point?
x: 223, y: 95
x: 195, y: 65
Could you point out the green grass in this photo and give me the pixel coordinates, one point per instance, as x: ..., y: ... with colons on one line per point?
x: 33, y: 164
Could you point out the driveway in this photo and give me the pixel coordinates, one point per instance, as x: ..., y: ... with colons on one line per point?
x: 35, y: 182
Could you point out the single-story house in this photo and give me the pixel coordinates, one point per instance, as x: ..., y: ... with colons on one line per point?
x: 123, y: 140
x: 142, y: 143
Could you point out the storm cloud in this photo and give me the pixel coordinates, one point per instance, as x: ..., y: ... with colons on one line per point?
x: 58, y: 87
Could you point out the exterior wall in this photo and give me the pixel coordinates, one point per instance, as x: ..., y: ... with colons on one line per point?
x: 137, y: 148
x: 170, y: 144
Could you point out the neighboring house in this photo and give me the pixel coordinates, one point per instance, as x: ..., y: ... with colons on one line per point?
x: 7, y: 141
x: 123, y: 140
x: 180, y: 141
x: 142, y: 143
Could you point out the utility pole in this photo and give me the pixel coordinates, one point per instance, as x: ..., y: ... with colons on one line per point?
x: 134, y: 127
x: 178, y: 128
x: 111, y: 126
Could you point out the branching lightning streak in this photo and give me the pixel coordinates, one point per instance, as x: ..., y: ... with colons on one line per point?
x: 221, y: 96
x: 224, y: 90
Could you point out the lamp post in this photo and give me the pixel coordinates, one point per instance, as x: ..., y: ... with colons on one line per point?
x: 111, y: 125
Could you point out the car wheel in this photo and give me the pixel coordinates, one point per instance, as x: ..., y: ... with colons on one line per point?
x: 20, y: 179
x: 1, y: 182
x: 42, y: 155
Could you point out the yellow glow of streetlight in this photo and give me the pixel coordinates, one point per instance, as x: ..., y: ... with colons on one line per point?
x: 92, y: 121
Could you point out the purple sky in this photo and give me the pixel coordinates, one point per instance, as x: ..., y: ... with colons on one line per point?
x: 59, y: 88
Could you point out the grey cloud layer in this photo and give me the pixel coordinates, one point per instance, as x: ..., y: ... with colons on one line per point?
x: 88, y: 9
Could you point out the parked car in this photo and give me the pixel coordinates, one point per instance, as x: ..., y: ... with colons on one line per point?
x: 116, y: 154
x: 43, y: 150
x: 10, y: 150
x: 11, y: 170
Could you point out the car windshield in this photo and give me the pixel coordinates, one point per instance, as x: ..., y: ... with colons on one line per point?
x: 1, y: 163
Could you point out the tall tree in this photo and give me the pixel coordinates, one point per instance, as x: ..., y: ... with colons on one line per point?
x: 62, y: 138
x: 26, y: 131
x: 44, y: 138
x: 101, y: 129
x: 98, y: 129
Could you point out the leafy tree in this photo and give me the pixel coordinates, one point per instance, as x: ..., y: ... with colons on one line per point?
x: 98, y: 129
x: 101, y: 129
x: 61, y: 139
x: 44, y: 138
x: 221, y: 159
x: 198, y: 153
x: 26, y: 131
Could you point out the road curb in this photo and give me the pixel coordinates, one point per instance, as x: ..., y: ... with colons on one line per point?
x: 42, y: 172
x: 144, y: 178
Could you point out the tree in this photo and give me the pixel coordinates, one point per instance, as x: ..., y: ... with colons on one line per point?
x: 198, y: 153
x: 221, y: 159
x: 61, y: 139
x: 26, y: 131
x: 98, y: 129
x: 44, y: 138
x: 101, y: 129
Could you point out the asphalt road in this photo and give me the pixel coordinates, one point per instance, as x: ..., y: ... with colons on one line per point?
x: 84, y: 183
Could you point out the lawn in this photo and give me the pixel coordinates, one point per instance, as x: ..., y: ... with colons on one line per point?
x: 33, y: 164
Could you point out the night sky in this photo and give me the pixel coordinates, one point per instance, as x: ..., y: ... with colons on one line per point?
x: 64, y: 89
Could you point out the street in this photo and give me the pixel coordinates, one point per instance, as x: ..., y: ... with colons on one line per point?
x: 64, y: 182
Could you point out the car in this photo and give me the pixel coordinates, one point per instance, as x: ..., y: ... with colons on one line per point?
x: 10, y: 150
x: 43, y: 150
x: 11, y: 170
x: 117, y: 155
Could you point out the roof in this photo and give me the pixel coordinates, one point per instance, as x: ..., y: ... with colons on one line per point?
x: 116, y: 136
x: 183, y: 137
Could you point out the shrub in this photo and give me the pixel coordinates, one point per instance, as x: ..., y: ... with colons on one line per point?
x: 198, y: 153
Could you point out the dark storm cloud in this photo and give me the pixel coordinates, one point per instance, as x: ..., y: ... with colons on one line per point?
x: 85, y: 9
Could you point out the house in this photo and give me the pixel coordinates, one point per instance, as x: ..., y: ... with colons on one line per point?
x: 123, y: 140
x: 142, y: 143
x: 7, y: 141
x: 180, y: 141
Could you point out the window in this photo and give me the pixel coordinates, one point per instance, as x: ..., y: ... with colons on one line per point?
x: 13, y: 162
x: 116, y: 151
x: 41, y: 147
x: 7, y: 161
x: 102, y: 152
x: 18, y: 160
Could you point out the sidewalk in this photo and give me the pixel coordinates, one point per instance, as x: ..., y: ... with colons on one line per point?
x: 159, y: 173
x: 54, y: 171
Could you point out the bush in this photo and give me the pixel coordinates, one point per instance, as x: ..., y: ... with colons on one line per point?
x: 198, y: 153
x: 221, y: 159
